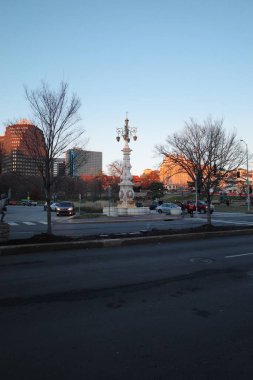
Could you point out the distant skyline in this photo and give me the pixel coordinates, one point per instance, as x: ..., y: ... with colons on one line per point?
x: 162, y: 61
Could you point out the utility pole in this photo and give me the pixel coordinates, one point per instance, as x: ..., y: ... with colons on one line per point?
x: 247, y: 183
x: 196, y: 191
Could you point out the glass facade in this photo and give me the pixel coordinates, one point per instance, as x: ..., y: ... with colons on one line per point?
x: 83, y: 162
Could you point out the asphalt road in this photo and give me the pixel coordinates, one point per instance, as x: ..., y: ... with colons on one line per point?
x: 159, y: 311
x: 27, y: 221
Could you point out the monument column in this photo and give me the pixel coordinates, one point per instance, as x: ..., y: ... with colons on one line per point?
x: 126, y: 204
x: 126, y: 193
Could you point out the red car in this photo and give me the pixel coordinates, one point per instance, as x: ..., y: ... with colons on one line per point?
x: 201, y: 207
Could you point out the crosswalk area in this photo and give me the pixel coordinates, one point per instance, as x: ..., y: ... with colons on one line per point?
x: 37, y: 222
x: 25, y: 223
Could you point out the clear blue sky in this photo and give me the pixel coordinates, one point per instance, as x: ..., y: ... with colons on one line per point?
x: 163, y: 61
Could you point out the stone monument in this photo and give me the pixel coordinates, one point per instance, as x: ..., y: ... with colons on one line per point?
x: 126, y: 204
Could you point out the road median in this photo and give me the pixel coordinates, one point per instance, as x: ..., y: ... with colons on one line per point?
x: 117, y: 242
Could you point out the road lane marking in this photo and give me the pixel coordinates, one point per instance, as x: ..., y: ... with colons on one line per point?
x: 218, y: 213
x: 28, y: 223
x: 234, y: 222
x: 242, y: 254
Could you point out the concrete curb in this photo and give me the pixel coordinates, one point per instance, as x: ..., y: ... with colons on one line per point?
x: 34, y: 248
x: 123, y: 219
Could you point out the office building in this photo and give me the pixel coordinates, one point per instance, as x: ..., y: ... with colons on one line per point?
x: 22, y: 149
x: 59, y: 167
x: 82, y: 162
x: 172, y: 175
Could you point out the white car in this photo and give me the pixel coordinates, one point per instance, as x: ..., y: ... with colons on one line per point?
x: 26, y: 202
x: 53, y: 206
x: 169, y: 208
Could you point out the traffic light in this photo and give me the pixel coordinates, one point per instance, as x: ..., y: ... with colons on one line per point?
x: 238, y: 174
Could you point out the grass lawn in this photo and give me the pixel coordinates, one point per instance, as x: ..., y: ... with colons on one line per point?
x: 232, y: 208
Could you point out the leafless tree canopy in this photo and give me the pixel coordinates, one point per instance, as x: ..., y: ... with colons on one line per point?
x: 203, y: 150
x: 115, y: 169
x: 56, y: 116
x: 204, y: 147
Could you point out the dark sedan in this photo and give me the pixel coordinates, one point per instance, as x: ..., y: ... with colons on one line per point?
x: 65, y: 208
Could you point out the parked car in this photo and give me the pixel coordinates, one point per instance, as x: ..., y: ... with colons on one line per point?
x: 65, y: 208
x: 28, y: 202
x: 12, y: 202
x: 201, y: 206
x: 153, y: 205
x: 168, y: 207
x: 180, y: 204
x: 53, y: 206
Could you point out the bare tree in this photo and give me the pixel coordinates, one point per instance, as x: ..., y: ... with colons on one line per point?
x: 115, y: 169
x: 205, y: 152
x: 56, y: 117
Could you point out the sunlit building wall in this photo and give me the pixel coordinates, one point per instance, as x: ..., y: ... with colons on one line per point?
x: 23, y: 148
x: 172, y: 175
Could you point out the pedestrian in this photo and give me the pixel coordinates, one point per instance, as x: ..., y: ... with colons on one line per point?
x: 191, y: 209
x: 227, y: 202
x: 2, y: 208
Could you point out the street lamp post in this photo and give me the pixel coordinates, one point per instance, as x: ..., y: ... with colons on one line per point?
x: 196, y: 192
x: 247, y: 162
x: 126, y: 193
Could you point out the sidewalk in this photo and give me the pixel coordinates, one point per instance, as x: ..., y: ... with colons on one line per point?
x: 117, y: 241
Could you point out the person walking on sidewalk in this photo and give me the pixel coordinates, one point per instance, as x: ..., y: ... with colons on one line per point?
x: 2, y: 209
x: 2, y: 213
x: 191, y: 208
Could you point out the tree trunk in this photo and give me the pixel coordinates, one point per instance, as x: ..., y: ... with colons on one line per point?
x: 49, y: 222
x: 209, y: 218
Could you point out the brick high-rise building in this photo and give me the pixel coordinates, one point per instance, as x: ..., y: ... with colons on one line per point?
x: 22, y: 148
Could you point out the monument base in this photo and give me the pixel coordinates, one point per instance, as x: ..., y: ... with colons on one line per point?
x: 125, y: 211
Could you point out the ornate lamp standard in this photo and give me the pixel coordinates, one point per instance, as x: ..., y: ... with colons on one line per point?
x: 126, y: 193
x: 247, y: 160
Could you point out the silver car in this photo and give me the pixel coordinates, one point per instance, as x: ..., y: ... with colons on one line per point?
x: 167, y: 207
